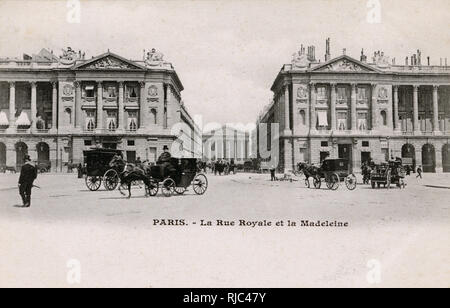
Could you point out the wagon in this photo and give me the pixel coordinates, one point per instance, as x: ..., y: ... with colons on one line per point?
x: 333, y: 172
x: 388, y: 173
x: 185, y: 174
x: 98, y: 169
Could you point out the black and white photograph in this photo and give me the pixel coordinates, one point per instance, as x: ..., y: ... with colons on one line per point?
x: 220, y: 144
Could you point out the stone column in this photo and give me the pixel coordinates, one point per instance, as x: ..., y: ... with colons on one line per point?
x: 333, y: 107
x: 353, y: 107
x: 312, y: 107
x: 54, y: 106
x: 435, y: 109
x: 142, y: 103
x: 33, y: 105
x: 11, y: 155
x: 122, y: 125
x: 78, y: 121
x: 396, y: 119
x: 99, y: 105
x: 12, y: 104
x: 416, y: 108
x: 287, y: 119
x: 374, y: 110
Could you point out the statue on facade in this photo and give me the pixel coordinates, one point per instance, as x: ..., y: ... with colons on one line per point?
x: 69, y: 56
x: 381, y: 60
x: 300, y: 58
x: 154, y: 58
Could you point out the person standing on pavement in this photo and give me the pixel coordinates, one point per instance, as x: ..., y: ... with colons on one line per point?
x: 28, y: 174
x: 272, y: 174
x: 419, y: 172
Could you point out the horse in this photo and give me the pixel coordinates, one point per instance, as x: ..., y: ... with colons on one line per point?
x: 308, y: 171
x: 365, y: 171
x: 128, y: 174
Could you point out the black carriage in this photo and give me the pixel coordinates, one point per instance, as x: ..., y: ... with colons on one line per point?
x: 389, y: 173
x: 98, y: 169
x: 184, y: 173
x: 334, y: 171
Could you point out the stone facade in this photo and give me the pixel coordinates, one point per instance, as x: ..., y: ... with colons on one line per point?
x: 54, y: 108
x: 345, y: 108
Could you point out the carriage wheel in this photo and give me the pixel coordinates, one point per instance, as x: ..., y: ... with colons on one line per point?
x: 111, y: 179
x: 200, y: 184
x: 180, y: 190
x: 333, y: 181
x: 152, y: 190
x: 350, y: 181
x: 307, y: 183
x: 93, y: 182
x: 168, y: 187
x: 317, y: 182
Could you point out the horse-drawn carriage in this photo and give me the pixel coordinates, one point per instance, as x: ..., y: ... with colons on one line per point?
x: 182, y: 173
x: 332, y: 171
x: 98, y: 169
x: 388, y: 173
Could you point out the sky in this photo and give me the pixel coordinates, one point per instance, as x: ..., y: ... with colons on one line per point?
x: 228, y: 53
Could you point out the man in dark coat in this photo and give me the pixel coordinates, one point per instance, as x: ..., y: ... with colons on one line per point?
x: 164, y: 161
x: 28, y: 174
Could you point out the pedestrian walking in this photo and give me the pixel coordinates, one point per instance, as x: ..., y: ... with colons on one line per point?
x: 28, y: 174
x: 272, y: 174
x: 419, y: 172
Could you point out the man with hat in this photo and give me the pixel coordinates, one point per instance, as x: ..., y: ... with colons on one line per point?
x: 164, y: 161
x: 28, y: 174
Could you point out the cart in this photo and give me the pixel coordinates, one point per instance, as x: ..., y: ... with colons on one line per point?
x: 333, y: 172
x: 98, y: 169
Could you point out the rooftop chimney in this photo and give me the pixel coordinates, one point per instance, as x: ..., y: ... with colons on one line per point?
x: 344, y: 51
x: 327, y: 50
x: 363, y: 56
x: 406, y: 61
x: 428, y: 60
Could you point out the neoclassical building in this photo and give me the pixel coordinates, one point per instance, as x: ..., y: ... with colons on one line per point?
x: 355, y: 109
x: 227, y: 143
x: 54, y: 107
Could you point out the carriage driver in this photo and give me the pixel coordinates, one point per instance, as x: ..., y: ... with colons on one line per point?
x: 164, y: 162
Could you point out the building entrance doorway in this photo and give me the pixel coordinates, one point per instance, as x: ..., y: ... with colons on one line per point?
x: 428, y: 158
x: 345, y: 152
x: 365, y: 157
x: 446, y: 157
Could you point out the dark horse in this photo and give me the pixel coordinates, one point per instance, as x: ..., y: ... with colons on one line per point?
x: 128, y: 174
x: 366, y: 170
x: 309, y: 171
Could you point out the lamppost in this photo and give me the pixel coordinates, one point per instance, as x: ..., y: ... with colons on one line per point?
x: 61, y: 159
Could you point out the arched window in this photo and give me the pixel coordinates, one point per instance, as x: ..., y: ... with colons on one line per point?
x: 154, y: 114
x: 69, y: 115
x: 302, y: 117
x: 384, y: 117
x: 90, y: 125
x: 112, y: 125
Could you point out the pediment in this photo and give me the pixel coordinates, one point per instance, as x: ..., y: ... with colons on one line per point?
x: 345, y: 64
x: 109, y: 61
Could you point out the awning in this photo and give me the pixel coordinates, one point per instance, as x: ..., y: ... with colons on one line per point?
x: 323, y: 118
x: 3, y: 119
x: 23, y: 120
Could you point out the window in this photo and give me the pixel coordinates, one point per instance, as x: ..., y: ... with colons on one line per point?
x: 87, y: 143
x: 90, y: 120
x: 384, y: 117
x: 324, y: 143
x: 324, y: 155
x: 341, y: 93
x: 89, y: 91
x: 132, y: 125
x: 90, y: 125
x: 362, y: 120
x: 362, y: 94
x: 342, y: 120
x: 322, y: 118
x: 321, y: 93
x: 132, y: 91
x: 130, y: 143
x: 111, y: 91
x: 365, y: 144
x: 131, y: 156
x: 112, y: 120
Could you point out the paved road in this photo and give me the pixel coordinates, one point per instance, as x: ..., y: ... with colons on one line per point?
x: 403, y: 234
